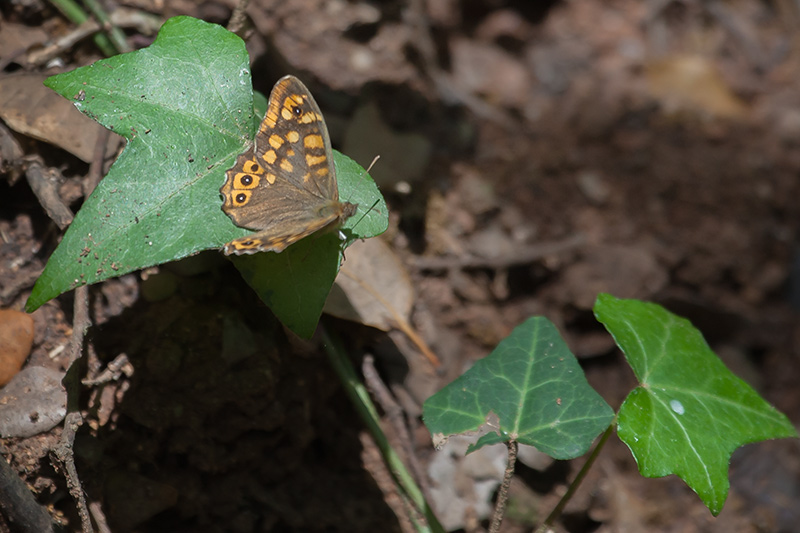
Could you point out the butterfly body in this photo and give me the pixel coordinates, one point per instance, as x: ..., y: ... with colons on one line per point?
x: 284, y: 187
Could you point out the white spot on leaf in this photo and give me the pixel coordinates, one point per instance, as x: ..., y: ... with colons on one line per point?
x: 677, y: 406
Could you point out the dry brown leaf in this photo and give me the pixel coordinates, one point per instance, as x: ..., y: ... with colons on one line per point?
x: 30, y: 108
x: 373, y: 287
x: 15, y: 39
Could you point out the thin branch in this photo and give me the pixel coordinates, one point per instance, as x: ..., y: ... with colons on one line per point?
x: 65, y: 456
x: 45, y: 187
x: 502, y: 494
x: 95, y: 173
x: 238, y: 17
x: 396, y: 417
x: 144, y: 23
x: 359, y: 396
x: 78, y: 16
x: 74, y: 419
x: 18, y: 505
x: 523, y: 255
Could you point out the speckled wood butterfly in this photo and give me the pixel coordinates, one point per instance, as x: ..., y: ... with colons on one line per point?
x: 285, y: 185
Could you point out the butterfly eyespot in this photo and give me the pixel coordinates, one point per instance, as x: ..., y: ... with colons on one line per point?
x: 241, y: 198
x: 297, y: 111
x: 246, y: 180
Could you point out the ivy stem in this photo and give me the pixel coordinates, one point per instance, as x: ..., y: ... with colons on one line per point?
x: 556, y: 512
x: 502, y: 494
x: 114, y: 34
x: 359, y: 396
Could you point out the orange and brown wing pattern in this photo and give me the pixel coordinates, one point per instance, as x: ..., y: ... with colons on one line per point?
x: 285, y: 185
x: 293, y: 136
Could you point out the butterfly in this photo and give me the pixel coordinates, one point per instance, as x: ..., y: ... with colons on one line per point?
x: 284, y: 187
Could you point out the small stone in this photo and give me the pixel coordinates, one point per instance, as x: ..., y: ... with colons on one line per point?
x: 33, y: 402
x: 16, y: 341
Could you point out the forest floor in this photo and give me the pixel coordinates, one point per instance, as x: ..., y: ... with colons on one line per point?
x: 533, y: 155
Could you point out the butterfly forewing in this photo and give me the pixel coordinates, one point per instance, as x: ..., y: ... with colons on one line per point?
x: 294, y: 138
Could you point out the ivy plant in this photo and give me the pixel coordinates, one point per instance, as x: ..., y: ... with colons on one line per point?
x: 185, y: 105
x: 686, y: 417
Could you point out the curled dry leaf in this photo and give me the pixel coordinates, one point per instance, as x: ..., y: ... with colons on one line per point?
x: 463, y: 485
x: 30, y: 108
x: 373, y: 287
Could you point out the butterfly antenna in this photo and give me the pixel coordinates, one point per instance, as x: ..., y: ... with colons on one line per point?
x: 372, y: 164
x: 366, y: 213
x: 375, y: 160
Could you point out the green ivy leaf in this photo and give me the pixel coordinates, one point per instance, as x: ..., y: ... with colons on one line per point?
x: 534, y: 385
x: 689, y: 412
x: 295, y: 283
x: 185, y: 105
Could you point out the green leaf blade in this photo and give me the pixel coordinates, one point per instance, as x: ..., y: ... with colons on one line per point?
x: 295, y: 283
x: 185, y: 104
x: 160, y: 200
x: 534, y: 385
x: 690, y: 412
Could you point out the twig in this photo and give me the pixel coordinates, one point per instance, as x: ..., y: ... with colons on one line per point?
x: 19, y: 506
x: 144, y: 23
x: 63, y: 453
x: 77, y: 16
x: 46, y: 191
x: 502, y: 494
x: 359, y: 396
x: 396, y: 417
x: 112, y: 372
x: 49, y: 51
x: 99, y: 517
x: 95, y: 173
x: 74, y: 419
x: 374, y: 464
x: 524, y: 255
x: 238, y: 17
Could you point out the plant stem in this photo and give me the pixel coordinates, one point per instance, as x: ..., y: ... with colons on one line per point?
x: 359, y: 396
x: 502, y: 494
x: 77, y: 16
x: 114, y: 33
x: 576, y: 482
